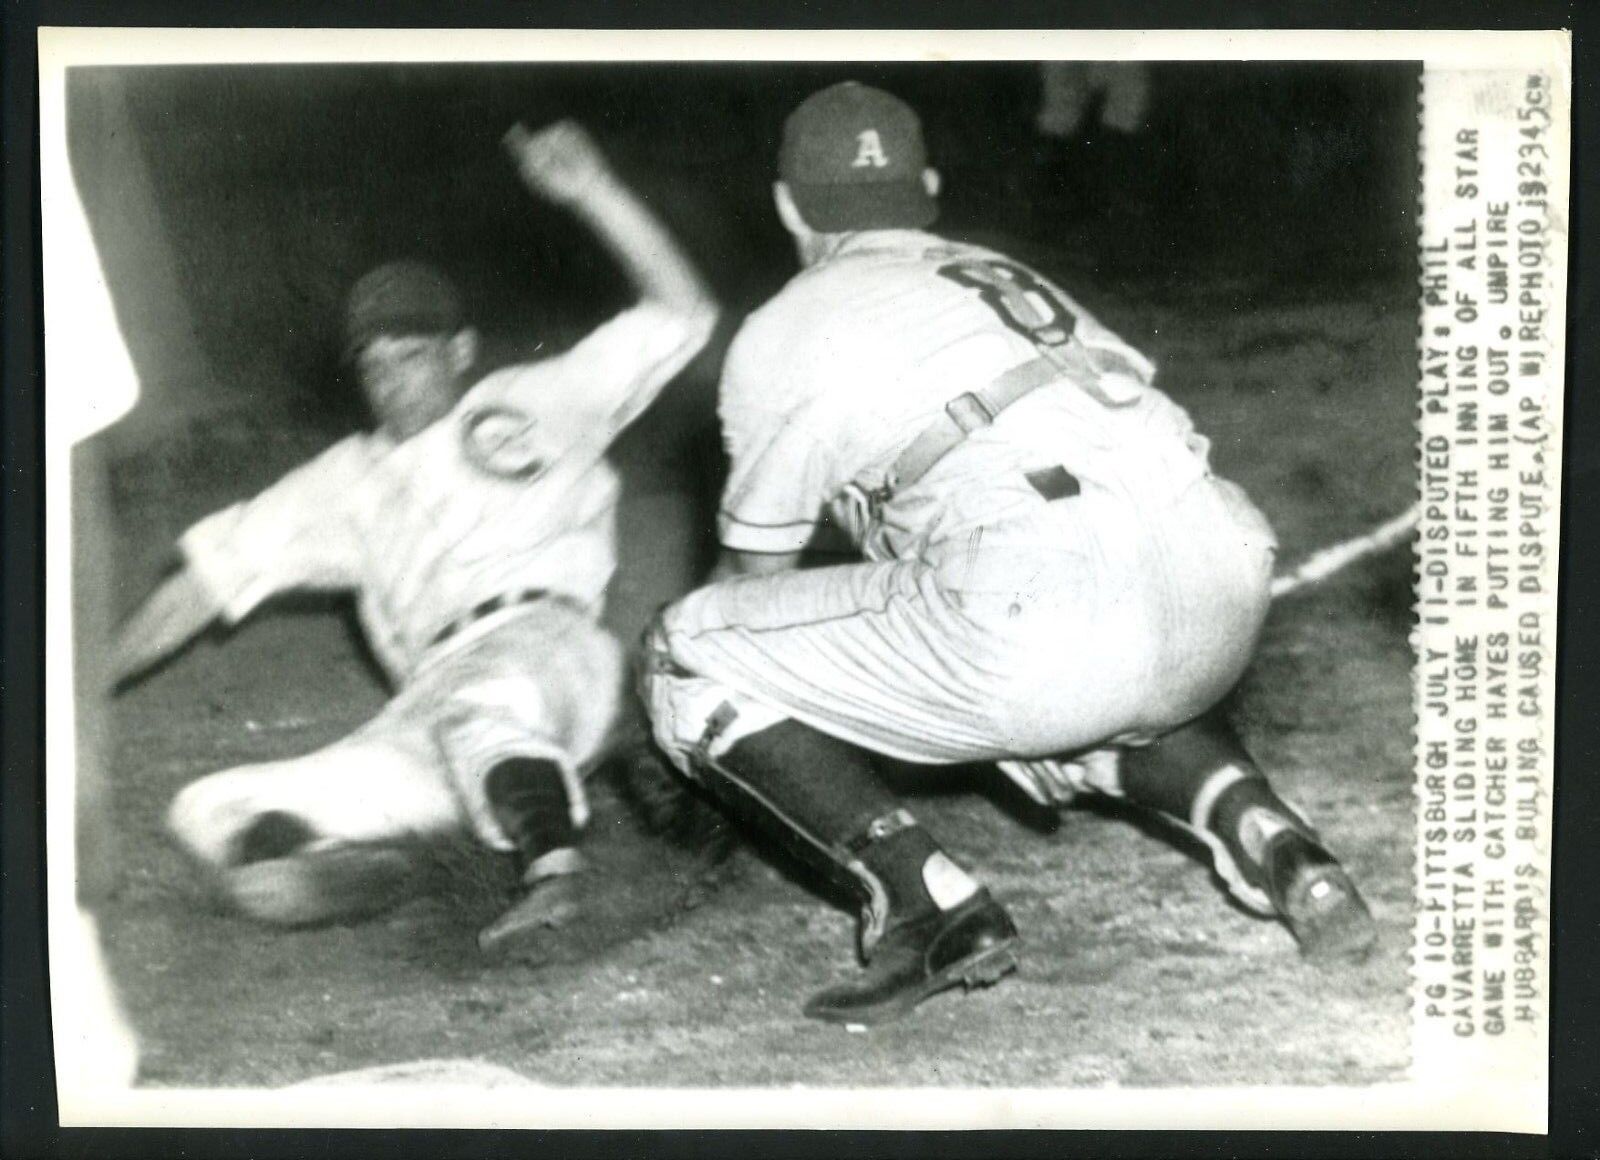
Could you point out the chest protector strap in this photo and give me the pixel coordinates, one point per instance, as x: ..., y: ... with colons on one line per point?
x: 977, y: 409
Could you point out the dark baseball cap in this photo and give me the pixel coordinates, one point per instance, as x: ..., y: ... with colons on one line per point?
x: 853, y: 157
x: 401, y: 298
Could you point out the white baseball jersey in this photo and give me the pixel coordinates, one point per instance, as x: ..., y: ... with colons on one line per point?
x: 1068, y: 576
x: 828, y: 384
x: 509, y: 491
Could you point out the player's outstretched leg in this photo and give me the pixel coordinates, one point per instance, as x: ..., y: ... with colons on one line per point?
x: 528, y: 798
x: 926, y: 925
x: 330, y: 837
x: 1264, y: 849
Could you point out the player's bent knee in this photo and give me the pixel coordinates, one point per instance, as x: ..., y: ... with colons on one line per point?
x: 695, y: 718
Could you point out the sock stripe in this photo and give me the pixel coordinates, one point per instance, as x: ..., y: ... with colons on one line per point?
x: 1219, y: 783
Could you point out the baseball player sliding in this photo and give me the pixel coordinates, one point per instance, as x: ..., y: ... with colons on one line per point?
x: 1052, y: 576
x: 477, y: 528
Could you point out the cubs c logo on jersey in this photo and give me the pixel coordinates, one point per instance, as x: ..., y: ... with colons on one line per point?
x: 869, y: 151
x: 501, y: 441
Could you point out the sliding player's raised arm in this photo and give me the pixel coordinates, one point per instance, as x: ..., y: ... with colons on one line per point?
x: 676, y: 312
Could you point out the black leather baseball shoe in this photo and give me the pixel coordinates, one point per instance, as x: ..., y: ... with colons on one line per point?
x: 973, y: 945
x: 554, y: 900
x: 1317, y: 901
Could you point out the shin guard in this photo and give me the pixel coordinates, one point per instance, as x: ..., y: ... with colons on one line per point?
x: 821, y: 800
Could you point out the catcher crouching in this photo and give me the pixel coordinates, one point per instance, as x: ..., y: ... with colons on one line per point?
x: 1049, y: 576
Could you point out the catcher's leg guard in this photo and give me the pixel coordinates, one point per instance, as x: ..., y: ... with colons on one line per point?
x: 1270, y: 857
x: 528, y: 799
x: 926, y: 925
x: 810, y: 794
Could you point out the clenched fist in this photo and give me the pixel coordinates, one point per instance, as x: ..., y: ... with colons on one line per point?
x: 562, y: 162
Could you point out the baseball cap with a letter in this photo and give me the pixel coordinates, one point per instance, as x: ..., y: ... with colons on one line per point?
x: 853, y: 157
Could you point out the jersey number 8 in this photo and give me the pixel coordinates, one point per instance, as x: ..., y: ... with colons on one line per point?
x: 1025, y: 304
x: 1035, y: 311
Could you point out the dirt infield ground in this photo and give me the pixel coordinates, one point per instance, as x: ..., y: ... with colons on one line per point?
x: 1136, y: 969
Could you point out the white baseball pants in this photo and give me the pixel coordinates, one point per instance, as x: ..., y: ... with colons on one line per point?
x: 537, y: 680
x: 1088, y: 621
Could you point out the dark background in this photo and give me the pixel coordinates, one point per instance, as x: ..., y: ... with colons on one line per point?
x: 1296, y: 174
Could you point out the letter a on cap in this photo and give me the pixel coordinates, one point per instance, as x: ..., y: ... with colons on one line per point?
x: 853, y: 158
x: 869, y: 151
